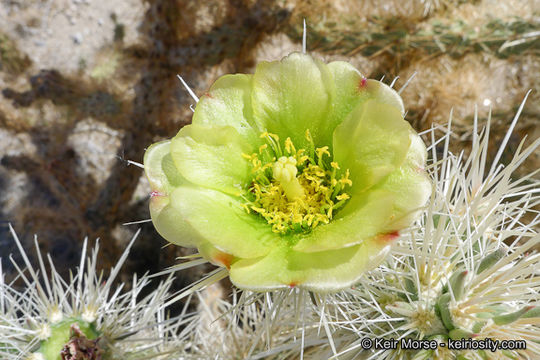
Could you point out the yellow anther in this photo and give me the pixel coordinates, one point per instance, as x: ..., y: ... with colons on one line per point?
x: 330, y: 211
x: 256, y: 163
x: 266, y: 166
x: 303, y: 159
x: 289, y: 147
x: 308, y: 136
x: 267, y: 134
x: 262, y: 148
x: 246, y: 156
x: 297, y: 218
x: 334, y: 165
x: 343, y: 196
x: 345, y: 179
x: 259, y: 210
x: 322, y: 151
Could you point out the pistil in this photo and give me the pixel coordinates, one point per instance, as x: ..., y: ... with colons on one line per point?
x: 284, y: 171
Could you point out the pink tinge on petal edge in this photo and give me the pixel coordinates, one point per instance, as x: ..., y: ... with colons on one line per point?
x: 362, y: 83
x: 388, y: 237
x: 224, y: 259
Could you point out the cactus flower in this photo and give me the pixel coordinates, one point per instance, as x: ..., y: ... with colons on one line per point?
x: 300, y: 174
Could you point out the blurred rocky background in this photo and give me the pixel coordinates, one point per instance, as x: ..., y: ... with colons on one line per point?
x: 88, y: 84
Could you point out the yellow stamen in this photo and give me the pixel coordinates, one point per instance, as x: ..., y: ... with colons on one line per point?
x: 289, y: 147
x: 322, y: 151
x: 345, y: 179
x: 296, y: 192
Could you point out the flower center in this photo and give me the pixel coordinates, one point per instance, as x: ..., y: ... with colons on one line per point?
x: 295, y: 190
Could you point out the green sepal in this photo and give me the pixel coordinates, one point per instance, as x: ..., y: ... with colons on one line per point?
x: 532, y: 313
x: 492, y: 311
x: 478, y: 326
x: 491, y: 260
x: 457, y: 283
x: 510, y: 318
x: 423, y: 355
x: 410, y: 286
x: 444, y: 311
x: 457, y: 334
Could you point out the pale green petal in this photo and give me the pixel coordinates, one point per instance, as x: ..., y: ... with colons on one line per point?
x: 212, y: 157
x: 383, y: 93
x: 371, y: 142
x: 323, y: 271
x: 215, y: 256
x: 352, y: 89
x: 410, y: 185
x: 389, y: 206
x: 417, y: 153
x: 290, y: 96
x: 228, y: 103
x: 160, y: 169
x: 164, y: 178
x: 412, y: 189
x: 169, y: 223
x: 370, y: 214
x: 347, y: 81
x: 221, y: 220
